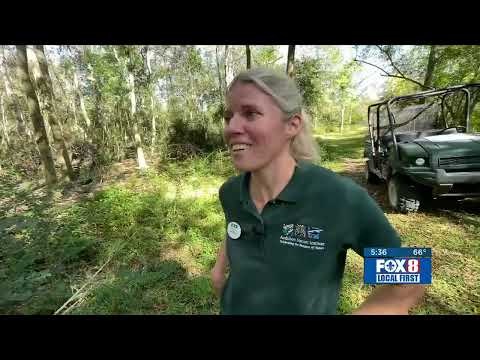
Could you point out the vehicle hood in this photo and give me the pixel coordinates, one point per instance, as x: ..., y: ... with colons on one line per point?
x: 451, y: 145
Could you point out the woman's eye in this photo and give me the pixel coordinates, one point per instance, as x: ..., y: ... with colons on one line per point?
x: 251, y: 114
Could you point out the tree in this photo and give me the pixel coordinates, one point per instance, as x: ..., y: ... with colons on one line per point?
x: 247, y: 49
x: 147, y: 54
x: 14, y: 96
x: 46, y: 90
x: 129, y: 53
x: 41, y: 138
x: 291, y: 60
x: 225, y: 71
x: 430, y: 67
x: 221, y: 80
x: 402, y: 64
x: 3, y: 123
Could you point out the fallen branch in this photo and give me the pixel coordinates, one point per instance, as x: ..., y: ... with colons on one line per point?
x: 76, y: 296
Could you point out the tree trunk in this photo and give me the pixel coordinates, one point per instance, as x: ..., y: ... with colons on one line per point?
x: 142, y: 164
x: 430, y: 67
x: 291, y: 60
x: 3, y: 123
x: 46, y: 90
x: 83, y: 110
x: 37, y: 119
x: 225, y: 68
x: 15, y: 101
x: 151, y: 91
x: 154, y: 124
x: 220, y: 80
x: 341, y: 122
x: 350, y: 117
x: 248, y: 56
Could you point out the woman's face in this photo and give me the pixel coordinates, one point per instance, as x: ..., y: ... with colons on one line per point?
x: 255, y: 130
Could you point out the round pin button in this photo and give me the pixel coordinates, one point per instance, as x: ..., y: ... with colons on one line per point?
x: 234, y: 230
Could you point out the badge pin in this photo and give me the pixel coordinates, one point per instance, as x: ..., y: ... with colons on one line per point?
x: 234, y: 230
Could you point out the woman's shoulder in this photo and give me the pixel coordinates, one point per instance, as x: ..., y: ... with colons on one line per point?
x: 231, y: 184
x: 327, y: 180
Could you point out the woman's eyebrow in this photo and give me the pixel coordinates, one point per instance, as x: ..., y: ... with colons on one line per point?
x: 249, y: 107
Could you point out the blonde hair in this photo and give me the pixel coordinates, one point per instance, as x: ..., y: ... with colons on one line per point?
x: 286, y: 95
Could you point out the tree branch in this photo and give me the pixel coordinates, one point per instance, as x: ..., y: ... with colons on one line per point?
x: 408, y: 79
x: 402, y: 75
x: 391, y: 60
x: 378, y: 67
x: 395, y: 76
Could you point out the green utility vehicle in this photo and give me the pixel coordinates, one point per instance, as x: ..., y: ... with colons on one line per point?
x: 425, y: 145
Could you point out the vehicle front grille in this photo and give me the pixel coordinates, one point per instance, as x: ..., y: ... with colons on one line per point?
x: 462, y: 160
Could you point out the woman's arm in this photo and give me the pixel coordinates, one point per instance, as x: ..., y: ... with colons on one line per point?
x: 391, y: 300
x: 219, y: 270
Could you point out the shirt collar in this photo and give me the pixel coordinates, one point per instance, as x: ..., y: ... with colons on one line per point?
x: 291, y: 193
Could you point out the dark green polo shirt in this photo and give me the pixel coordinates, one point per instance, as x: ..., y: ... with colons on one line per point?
x: 290, y: 258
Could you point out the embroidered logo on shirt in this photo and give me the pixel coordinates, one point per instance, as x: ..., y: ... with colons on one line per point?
x: 300, y: 230
x: 304, y: 236
x: 287, y: 230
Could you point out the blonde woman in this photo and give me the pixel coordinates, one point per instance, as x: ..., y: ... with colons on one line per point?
x: 290, y: 222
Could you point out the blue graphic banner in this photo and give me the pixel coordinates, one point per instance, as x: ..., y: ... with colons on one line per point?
x: 397, y: 270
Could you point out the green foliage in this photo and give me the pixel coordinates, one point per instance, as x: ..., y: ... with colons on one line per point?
x: 307, y: 77
x: 326, y: 83
x: 266, y: 56
x: 52, y: 250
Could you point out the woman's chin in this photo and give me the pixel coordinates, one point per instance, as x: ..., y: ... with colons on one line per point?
x: 243, y: 166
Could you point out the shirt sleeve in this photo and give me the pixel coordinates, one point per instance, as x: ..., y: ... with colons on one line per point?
x: 374, y: 229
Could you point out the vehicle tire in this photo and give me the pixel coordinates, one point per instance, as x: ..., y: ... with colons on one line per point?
x: 403, y: 196
x: 370, y: 177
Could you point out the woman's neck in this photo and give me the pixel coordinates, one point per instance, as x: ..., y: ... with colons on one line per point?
x: 267, y: 183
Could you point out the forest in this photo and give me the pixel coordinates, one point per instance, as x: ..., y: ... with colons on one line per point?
x: 111, y: 157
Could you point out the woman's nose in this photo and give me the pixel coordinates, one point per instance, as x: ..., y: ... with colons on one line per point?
x: 234, y: 125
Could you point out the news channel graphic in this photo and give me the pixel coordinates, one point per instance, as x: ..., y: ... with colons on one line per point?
x: 397, y: 266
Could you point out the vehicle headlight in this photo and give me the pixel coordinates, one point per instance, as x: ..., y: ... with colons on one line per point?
x: 420, y: 161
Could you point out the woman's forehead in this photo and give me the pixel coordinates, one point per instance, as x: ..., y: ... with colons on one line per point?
x: 242, y: 94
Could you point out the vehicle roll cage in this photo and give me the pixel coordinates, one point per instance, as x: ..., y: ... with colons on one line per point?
x: 421, y: 95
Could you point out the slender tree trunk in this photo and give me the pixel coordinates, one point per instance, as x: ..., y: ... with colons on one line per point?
x: 142, y: 164
x: 15, y: 102
x: 3, y: 123
x: 341, y: 122
x: 46, y: 90
x: 225, y: 68
x: 430, y: 67
x: 83, y: 110
x: 154, y: 124
x: 350, y: 117
x: 38, y: 123
x: 22, y: 127
x: 247, y: 48
x: 151, y: 91
x: 220, y: 80
x: 291, y: 60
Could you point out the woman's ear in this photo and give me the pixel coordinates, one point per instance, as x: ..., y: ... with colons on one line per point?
x: 294, y: 125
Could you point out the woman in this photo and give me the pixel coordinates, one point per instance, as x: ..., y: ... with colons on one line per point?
x: 290, y: 222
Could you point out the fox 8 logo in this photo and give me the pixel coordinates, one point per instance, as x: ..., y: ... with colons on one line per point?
x: 398, y: 266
